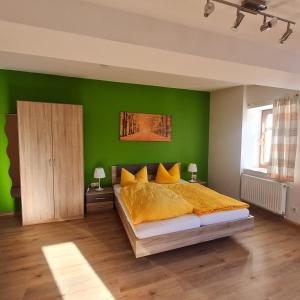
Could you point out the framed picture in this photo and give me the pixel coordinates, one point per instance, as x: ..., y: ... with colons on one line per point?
x: 145, y: 127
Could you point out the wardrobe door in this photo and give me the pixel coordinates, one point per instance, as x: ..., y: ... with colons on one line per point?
x: 36, y: 171
x: 68, y: 161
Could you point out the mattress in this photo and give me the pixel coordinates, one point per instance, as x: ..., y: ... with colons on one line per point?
x: 224, y: 216
x: 155, y: 228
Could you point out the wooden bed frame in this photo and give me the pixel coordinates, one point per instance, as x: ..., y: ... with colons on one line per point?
x: 170, y: 241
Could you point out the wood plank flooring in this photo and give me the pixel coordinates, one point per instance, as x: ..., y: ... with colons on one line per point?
x: 92, y: 259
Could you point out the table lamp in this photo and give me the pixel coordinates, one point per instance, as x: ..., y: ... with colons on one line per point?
x: 192, y: 168
x: 99, y: 173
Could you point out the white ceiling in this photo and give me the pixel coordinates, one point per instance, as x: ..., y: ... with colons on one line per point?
x: 190, y: 13
x: 37, y: 64
x: 157, y: 42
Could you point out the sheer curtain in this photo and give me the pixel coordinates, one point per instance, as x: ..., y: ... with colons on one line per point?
x: 284, y: 139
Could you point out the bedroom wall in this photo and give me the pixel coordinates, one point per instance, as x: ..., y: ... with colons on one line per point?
x: 227, y: 115
x: 265, y: 95
x: 102, y: 103
x: 225, y: 139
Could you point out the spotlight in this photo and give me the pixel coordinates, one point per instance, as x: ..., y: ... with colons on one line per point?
x: 209, y: 8
x: 238, y: 20
x: 286, y: 35
x: 268, y: 25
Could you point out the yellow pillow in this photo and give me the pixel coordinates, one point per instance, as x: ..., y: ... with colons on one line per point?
x: 151, y: 202
x: 164, y: 176
x: 128, y: 178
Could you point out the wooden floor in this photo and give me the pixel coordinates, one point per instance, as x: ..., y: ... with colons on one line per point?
x: 92, y: 259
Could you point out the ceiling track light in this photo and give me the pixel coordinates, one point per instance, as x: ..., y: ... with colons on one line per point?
x: 254, y: 7
x: 268, y: 24
x: 209, y: 8
x: 287, y: 34
x: 239, y: 18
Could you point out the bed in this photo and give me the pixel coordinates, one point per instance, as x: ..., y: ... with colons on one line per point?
x: 158, y: 236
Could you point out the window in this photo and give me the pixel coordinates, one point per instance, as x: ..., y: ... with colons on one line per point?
x: 257, y: 138
x: 266, y: 138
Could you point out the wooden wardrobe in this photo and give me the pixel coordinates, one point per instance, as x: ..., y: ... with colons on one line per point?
x: 51, y: 161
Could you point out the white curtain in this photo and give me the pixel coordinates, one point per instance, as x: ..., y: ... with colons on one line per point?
x: 284, y: 139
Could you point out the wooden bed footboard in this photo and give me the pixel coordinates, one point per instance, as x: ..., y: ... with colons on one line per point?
x: 170, y: 241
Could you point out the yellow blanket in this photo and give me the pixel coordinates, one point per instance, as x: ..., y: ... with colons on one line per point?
x: 205, y: 200
x: 151, y: 202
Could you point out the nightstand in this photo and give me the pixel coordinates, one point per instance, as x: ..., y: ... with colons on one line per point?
x: 96, y: 201
x: 199, y: 181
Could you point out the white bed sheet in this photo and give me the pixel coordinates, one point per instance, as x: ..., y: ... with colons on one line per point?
x: 224, y: 216
x: 154, y: 228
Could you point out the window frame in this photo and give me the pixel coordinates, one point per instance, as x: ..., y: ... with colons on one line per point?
x: 264, y: 115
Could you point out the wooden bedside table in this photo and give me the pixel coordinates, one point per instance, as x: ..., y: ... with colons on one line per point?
x: 95, y: 201
x: 199, y: 181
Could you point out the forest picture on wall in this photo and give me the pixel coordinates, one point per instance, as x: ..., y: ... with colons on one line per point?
x: 145, y: 127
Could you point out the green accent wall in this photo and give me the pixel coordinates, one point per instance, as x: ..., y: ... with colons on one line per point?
x: 102, y: 103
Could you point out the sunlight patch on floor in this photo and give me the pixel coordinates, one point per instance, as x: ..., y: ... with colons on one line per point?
x: 74, y: 276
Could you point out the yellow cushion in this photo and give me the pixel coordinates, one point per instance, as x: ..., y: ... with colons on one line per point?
x: 128, y: 178
x: 164, y: 176
x: 152, y: 202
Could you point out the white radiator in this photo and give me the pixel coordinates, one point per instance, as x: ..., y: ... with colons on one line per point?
x: 265, y: 193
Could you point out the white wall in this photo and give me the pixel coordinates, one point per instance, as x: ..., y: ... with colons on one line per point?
x: 265, y: 95
x: 227, y: 119
x: 293, y: 205
x: 257, y: 95
x: 225, y: 139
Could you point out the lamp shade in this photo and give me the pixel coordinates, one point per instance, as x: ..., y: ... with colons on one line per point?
x: 192, y: 168
x: 99, y: 173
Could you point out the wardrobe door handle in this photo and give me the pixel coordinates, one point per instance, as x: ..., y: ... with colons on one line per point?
x: 50, y: 162
x: 54, y: 162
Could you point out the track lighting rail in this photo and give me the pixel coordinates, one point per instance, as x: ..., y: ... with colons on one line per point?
x: 247, y: 10
x: 254, y: 7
